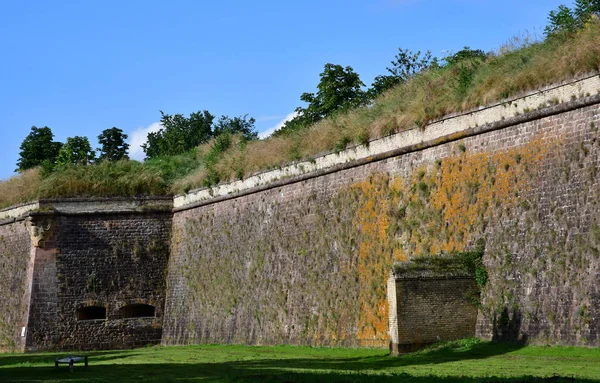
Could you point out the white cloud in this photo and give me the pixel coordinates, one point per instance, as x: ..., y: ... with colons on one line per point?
x: 268, y: 118
x: 139, y: 137
x: 268, y: 132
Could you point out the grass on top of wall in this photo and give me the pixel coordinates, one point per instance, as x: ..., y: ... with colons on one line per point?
x: 468, y: 360
x: 519, y: 66
x: 108, y: 179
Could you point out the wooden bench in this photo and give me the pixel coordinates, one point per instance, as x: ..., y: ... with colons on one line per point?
x: 71, y: 360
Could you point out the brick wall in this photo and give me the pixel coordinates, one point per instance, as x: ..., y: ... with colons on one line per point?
x: 432, y: 310
x: 105, y: 259
x: 15, y: 260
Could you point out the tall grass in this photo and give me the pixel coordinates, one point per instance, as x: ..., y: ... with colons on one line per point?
x: 20, y: 188
x: 517, y: 67
x: 106, y: 179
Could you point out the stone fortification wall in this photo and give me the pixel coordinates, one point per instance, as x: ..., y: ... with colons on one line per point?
x: 304, y: 260
x: 301, y: 255
x: 92, y: 259
x: 15, y: 268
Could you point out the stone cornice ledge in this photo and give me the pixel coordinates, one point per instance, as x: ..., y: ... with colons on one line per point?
x: 547, y: 102
x: 85, y: 206
x: 12, y: 213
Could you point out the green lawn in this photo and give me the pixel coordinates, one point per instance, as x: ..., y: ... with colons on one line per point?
x: 468, y: 360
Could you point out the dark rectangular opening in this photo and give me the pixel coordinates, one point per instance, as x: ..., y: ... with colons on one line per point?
x: 91, y: 312
x: 137, y: 310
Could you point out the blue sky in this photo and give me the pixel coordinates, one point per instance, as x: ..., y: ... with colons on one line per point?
x: 80, y: 67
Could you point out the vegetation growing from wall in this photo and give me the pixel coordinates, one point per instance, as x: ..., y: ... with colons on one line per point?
x: 14, y: 259
x: 456, y: 264
x: 314, y: 268
x: 465, y: 81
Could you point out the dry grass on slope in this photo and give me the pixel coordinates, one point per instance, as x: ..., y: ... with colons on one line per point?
x: 107, y: 179
x: 431, y: 95
x: 20, y: 188
x: 519, y: 67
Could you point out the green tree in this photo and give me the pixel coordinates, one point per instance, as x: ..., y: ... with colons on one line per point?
x: 564, y: 20
x: 179, y: 134
x: 76, y: 151
x: 381, y: 83
x: 406, y: 64
x: 465, y: 54
x: 242, y: 125
x: 38, y: 148
x: 339, y: 89
x: 585, y: 10
x: 112, y: 145
x: 464, y: 64
x: 560, y: 21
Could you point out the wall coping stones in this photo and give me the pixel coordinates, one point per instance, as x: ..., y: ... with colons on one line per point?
x: 12, y: 213
x: 77, y: 206
x: 82, y: 206
x: 538, y: 104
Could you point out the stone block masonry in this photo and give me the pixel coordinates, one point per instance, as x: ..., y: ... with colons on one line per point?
x: 304, y: 259
x: 301, y: 255
x: 98, y: 273
x: 15, y: 284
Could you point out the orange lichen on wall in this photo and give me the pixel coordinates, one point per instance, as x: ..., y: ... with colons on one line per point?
x: 446, y: 205
x: 372, y: 220
x: 443, y: 207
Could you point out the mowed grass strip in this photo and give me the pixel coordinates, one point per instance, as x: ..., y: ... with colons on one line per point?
x: 468, y: 360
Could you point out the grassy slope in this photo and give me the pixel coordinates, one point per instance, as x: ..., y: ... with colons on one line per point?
x: 519, y: 66
x: 462, y: 361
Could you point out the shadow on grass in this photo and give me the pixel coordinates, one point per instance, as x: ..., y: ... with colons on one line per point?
x: 235, y: 372
x: 48, y: 358
x: 300, y: 369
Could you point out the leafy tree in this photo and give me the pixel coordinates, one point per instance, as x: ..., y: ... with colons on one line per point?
x: 465, y: 54
x: 113, y: 145
x: 339, y: 89
x: 561, y: 20
x: 564, y: 20
x: 242, y: 125
x: 179, y: 134
x: 585, y: 10
x: 382, y: 83
x: 38, y: 148
x: 463, y: 65
x: 76, y: 151
x: 406, y: 64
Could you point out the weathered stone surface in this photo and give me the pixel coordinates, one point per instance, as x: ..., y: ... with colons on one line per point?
x: 15, y: 256
x: 434, y: 309
x: 108, y: 260
x: 306, y: 262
